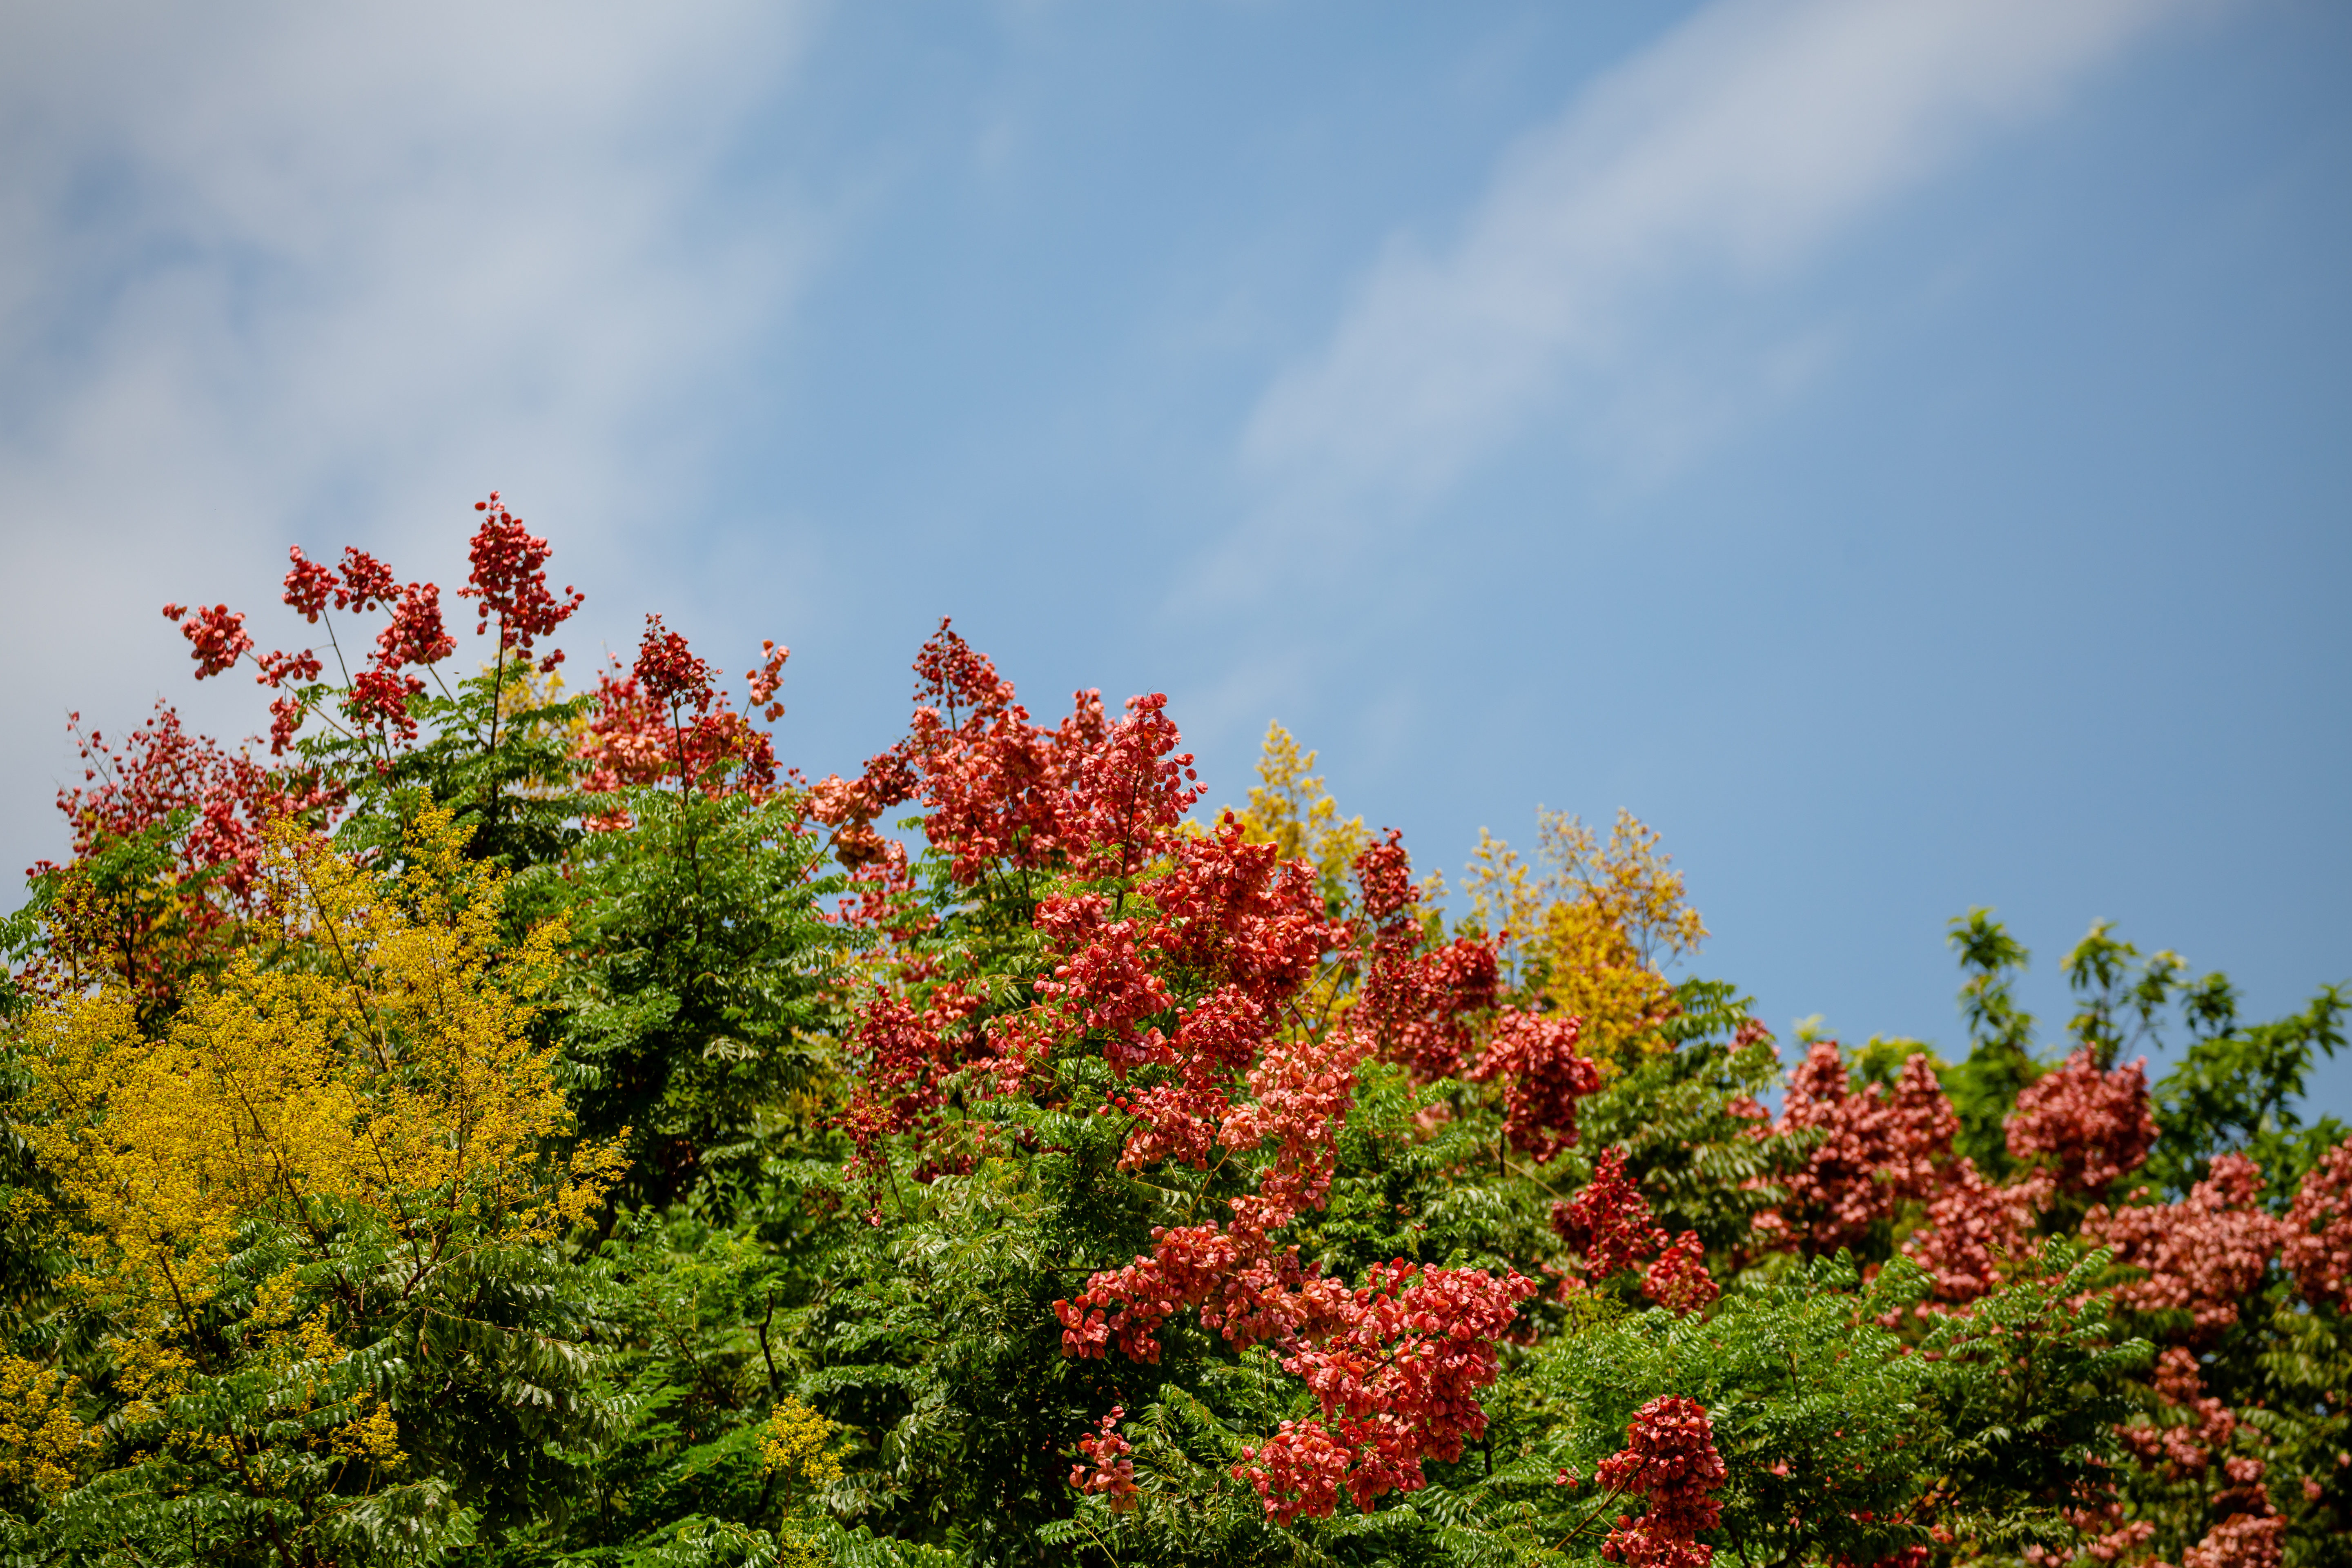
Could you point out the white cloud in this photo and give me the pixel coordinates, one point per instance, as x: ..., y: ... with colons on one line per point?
x: 288, y: 271
x: 1733, y: 148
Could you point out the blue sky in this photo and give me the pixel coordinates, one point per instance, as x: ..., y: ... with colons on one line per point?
x: 1903, y: 452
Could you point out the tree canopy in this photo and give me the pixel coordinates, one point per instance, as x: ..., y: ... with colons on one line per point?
x: 501, y: 1124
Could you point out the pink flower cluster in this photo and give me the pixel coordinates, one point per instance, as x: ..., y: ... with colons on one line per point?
x: 2203, y: 1254
x: 1874, y: 1148
x: 1107, y: 1470
x: 2092, y: 1127
x: 1669, y: 1457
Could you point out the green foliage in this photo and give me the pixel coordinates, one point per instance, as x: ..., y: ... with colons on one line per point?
x: 699, y: 1003
x: 1999, y: 1062
x: 765, y: 1341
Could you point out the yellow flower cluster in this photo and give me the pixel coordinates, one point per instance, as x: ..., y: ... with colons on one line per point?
x: 793, y: 1445
x: 362, y: 1075
x: 1290, y: 808
x: 377, y: 1063
x: 41, y: 1441
x: 1610, y: 920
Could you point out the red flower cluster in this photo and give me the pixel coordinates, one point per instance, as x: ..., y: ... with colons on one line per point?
x: 1543, y: 1077
x: 2093, y: 1128
x: 2318, y: 1232
x: 1875, y: 1148
x: 1418, y: 1003
x: 509, y: 578
x: 2203, y: 1254
x: 1608, y: 1223
x: 1396, y: 1365
x: 1670, y: 1458
x: 1107, y: 1469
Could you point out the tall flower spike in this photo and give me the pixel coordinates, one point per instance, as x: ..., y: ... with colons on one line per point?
x: 508, y: 576
x: 669, y: 670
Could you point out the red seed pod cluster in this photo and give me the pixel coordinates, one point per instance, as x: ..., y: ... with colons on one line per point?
x: 1420, y: 1003
x: 159, y: 772
x: 309, y: 586
x: 1678, y: 1279
x: 1973, y: 1229
x: 2203, y: 1254
x: 669, y: 671
x: 216, y: 636
x: 1877, y: 1149
x: 2090, y: 1128
x: 1609, y: 1223
x: 1669, y: 1458
x: 662, y: 719
x: 1174, y: 956
x: 767, y: 677
x: 1543, y: 1077
x: 1107, y: 1470
x: 2318, y: 1227
x: 508, y: 576
x: 414, y: 635
x: 366, y: 582
x: 1396, y: 1365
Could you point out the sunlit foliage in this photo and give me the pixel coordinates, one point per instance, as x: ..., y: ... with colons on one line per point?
x: 501, y: 1125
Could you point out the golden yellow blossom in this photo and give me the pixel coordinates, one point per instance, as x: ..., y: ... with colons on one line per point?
x: 378, y: 1066
x: 1290, y: 808
x: 41, y: 1441
x: 1592, y: 935
x: 793, y: 1445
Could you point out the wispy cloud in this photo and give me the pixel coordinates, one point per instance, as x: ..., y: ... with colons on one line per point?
x: 274, y: 271
x: 1736, y: 147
